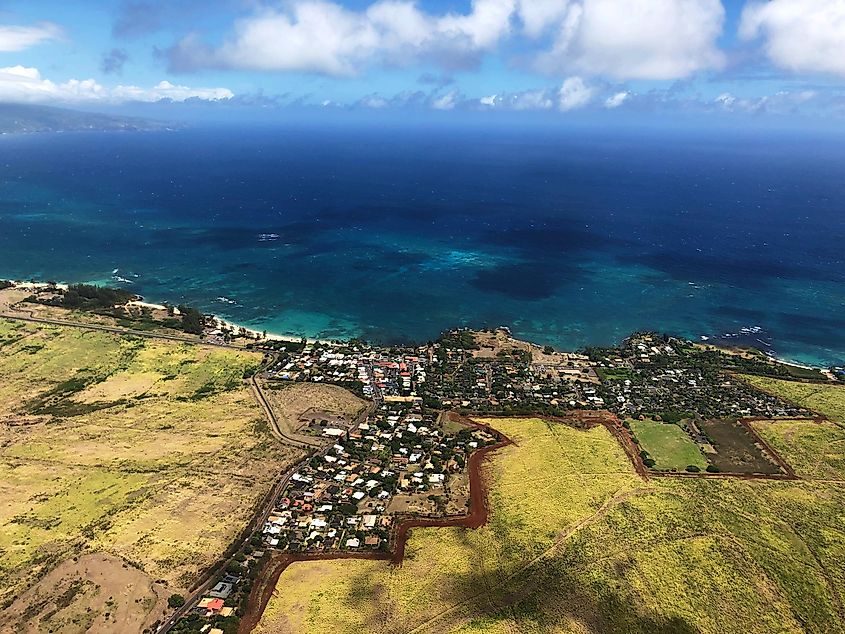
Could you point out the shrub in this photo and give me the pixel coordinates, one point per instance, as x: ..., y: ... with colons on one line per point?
x: 176, y: 601
x: 693, y: 469
x: 711, y: 468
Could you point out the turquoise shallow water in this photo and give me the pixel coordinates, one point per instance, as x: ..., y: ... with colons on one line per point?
x: 568, y: 238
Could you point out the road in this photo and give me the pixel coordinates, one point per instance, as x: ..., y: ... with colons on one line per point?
x: 270, y: 500
x: 258, y: 520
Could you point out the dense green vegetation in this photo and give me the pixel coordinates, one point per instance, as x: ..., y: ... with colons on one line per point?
x: 89, y: 297
x: 193, y: 321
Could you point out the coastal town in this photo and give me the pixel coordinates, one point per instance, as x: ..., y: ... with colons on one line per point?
x: 405, y: 455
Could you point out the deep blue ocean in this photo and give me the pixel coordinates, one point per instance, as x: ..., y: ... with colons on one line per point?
x: 570, y: 237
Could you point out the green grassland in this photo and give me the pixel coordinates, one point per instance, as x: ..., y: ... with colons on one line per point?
x: 577, y: 542
x: 815, y: 450
x: 149, y: 450
x: 826, y: 399
x: 668, y: 445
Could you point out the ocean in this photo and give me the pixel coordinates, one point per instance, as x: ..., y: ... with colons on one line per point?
x: 569, y: 237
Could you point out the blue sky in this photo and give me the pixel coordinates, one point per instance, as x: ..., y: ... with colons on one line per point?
x: 769, y: 57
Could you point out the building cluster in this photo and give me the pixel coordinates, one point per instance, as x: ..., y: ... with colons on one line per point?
x: 376, y: 372
x: 651, y: 375
x: 445, y: 374
x: 349, y: 496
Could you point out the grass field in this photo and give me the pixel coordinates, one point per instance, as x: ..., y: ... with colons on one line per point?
x: 668, y: 445
x: 826, y: 399
x: 815, y: 450
x: 150, y: 452
x: 578, y: 543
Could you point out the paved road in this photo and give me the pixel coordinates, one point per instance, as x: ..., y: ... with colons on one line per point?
x: 270, y: 500
x: 258, y: 520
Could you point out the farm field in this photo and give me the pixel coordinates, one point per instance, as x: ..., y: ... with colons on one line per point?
x: 828, y: 400
x: 736, y: 448
x: 815, y: 450
x: 578, y: 543
x: 149, y: 455
x: 668, y: 445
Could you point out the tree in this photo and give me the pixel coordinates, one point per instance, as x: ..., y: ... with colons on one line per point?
x: 176, y: 601
x: 693, y: 469
x: 192, y: 320
x: 234, y: 568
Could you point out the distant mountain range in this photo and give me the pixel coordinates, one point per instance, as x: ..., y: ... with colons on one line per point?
x: 24, y: 118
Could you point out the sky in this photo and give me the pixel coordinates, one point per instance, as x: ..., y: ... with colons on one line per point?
x: 758, y: 58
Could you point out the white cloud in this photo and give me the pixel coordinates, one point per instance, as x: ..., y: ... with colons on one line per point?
x: 23, y: 84
x: 726, y: 100
x: 646, y: 39
x: 488, y: 22
x: 574, y: 93
x: 19, y: 38
x: 447, y: 101
x: 616, y: 100
x: 799, y: 35
x: 783, y: 102
x: 320, y: 36
x: 538, y: 16
x: 532, y: 100
x: 526, y: 100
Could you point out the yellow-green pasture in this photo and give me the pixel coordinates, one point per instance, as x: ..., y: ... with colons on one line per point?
x: 149, y: 450
x: 577, y: 542
x: 828, y: 399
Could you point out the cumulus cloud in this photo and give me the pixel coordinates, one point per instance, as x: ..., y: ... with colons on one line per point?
x: 26, y: 85
x: 19, y: 38
x: 525, y: 100
x: 324, y: 37
x: 538, y: 16
x: 647, y: 39
x: 616, y: 100
x: 782, y: 102
x: 574, y: 93
x: 799, y: 35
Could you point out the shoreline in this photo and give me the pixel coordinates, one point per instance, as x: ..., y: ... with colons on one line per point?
x: 223, y: 322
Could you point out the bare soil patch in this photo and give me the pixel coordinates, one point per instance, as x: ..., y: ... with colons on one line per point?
x: 97, y: 593
x: 737, y: 449
x: 296, y: 404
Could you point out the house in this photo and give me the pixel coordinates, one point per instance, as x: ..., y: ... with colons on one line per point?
x: 353, y: 542
x: 211, y: 604
x: 221, y: 590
